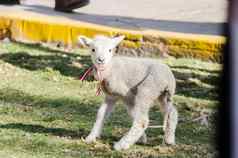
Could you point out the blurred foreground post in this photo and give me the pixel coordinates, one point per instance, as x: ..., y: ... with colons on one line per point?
x: 234, y: 76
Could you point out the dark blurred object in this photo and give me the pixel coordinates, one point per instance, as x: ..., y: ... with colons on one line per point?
x: 9, y: 2
x: 233, y: 66
x: 228, y: 115
x: 69, y: 5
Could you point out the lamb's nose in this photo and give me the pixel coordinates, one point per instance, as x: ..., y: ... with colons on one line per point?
x: 100, y: 60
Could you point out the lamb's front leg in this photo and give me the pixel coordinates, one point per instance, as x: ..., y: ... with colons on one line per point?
x: 143, y: 138
x: 140, y: 123
x: 103, y: 112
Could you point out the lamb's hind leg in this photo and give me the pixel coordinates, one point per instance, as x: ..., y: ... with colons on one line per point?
x: 103, y: 112
x: 170, y: 117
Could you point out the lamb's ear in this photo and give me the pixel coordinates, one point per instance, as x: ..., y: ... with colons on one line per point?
x: 85, y: 41
x: 117, y: 40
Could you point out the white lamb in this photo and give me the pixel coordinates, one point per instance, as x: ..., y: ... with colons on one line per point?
x: 138, y: 82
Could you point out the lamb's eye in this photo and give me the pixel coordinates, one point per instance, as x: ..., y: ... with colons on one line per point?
x: 93, y: 50
x: 110, y: 50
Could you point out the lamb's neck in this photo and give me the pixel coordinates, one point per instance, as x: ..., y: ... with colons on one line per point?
x: 102, y: 75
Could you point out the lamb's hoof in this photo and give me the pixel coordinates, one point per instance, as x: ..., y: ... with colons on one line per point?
x: 120, y: 146
x: 170, y: 140
x: 90, y: 139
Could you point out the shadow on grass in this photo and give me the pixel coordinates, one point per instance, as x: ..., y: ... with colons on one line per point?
x: 198, y: 69
x: 76, y: 110
x: 65, y: 67
x: 193, y: 90
x: 71, y: 106
x: 80, y: 110
x: 212, y: 78
x: 67, y: 64
x: 45, y: 49
x: 61, y: 132
x: 192, y: 82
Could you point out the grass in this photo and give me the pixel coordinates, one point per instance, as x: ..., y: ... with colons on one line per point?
x: 45, y: 111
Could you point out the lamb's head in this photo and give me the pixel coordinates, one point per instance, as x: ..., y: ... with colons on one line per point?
x: 102, y: 49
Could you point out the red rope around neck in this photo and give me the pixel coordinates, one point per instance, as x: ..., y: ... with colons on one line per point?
x: 87, y: 72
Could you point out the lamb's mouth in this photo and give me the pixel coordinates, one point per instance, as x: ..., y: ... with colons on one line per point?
x: 100, y: 67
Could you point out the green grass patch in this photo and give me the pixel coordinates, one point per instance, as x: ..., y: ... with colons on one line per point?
x: 45, y: 111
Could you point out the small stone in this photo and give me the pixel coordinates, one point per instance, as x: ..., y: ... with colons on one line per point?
x: 76, y: 64
x: 6, y: 40
x: 64, y: 55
